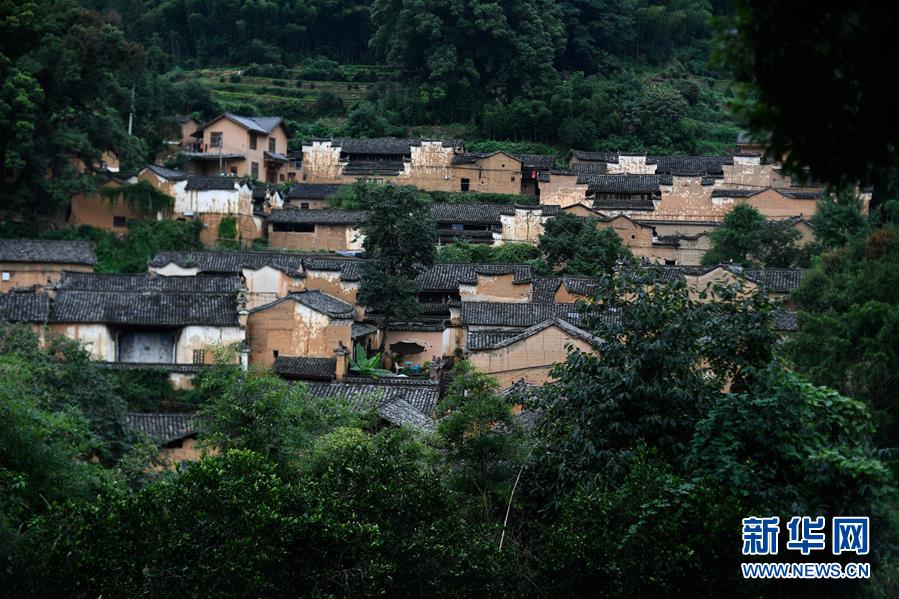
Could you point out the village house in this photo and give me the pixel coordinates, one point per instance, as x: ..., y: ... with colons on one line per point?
x: 269, y: 275
x: 26, y: 263
x: 142, y: 319
x: 309, y: 230
x: 241, y: 146
x: 310, y: 195
x: 95, y: 209
x: 27, y: 308
x: 309, y: 324
x: 174, y: 433
x: 430, y: 165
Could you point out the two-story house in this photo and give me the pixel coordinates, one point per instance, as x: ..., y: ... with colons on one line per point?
x: 240, y: 146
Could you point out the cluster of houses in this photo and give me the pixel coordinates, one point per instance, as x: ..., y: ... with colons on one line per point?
x: 663, y: 207
x: 297, y: 311
x: 299, y: 315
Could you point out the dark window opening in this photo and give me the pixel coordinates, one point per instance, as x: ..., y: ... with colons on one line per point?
x: 233, y: 170
x: 272, y: 145
x: 254, y: 170
x: 670, y: 262
x: 119, y: 221
x: 275, y: 353
x: 215, y: 139
x: 304, y: 205
x: 252, y: 141
x: 465, y: 184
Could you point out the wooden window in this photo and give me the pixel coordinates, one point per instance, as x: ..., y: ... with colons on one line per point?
x: 254, y: 170
x: 252, y: 141
x: 215, y: 139
x: 465, y: 185
x: 119, y: 221
x: 272, y: 145
x: 199, y: 356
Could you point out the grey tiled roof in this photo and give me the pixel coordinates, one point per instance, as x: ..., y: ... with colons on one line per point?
x: 47, y: 251
x: 501, y: 314
x: 745, y: 193
x: 446, y: 277
x: 398, y: 404
x: 318, y: 301
x: 350, y: 269
x: 167, y: 173
x: 624, y: 183
x: 163, y: 428
x: 361, y: 329
x: 537, y: 161
x: 785, y: 320
x: 545, y: 289
x: 567, y: 327
x: 143, y: 282
x: 24, y: 307
x: 690, y: 165
x: 478, y: 340
x: 325, y: 216
x: 778, y: 280
x: 384, y: 145
x: 147, y: 308
x: 423, y: 394
x: 301, y: 367
x: 210, y: 183
x: 313, y: 191
x: 322, y: 302
x: 588, y: 168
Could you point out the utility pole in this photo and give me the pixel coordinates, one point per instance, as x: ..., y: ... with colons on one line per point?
x: 131, y: 114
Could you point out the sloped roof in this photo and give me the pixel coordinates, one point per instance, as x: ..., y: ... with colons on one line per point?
x: 537, y: 161
x: 478, y: 340
x: 399, y: 404
x: 163, y: 428
x: 167, y: 173
x: 624, y: 183
x: 446, y: 277
x: 316, y: 300
x: 47, y: 251
x: 144, y: 308
x: 746, y: 193
x: 24, y: 307
x: 385, y: 145
x: 325, y: 216
x: 301, y: 367
x: 258, y: 124
x: 211, y: 183
x: 690, y: 165
x: 778, y: 280
x: 505, y: 314
x: 143, y: 282
x: 498, y: 343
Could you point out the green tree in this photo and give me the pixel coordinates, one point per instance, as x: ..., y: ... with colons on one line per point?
x: 260, y: 412
x: 849, y: 324
x: 579, y: 247
x: 838, y: 218
x: 459, y: 57
x: 482, y: 439
x: 746, y: 238
x: 664, y: 357
x: 400, y: 240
